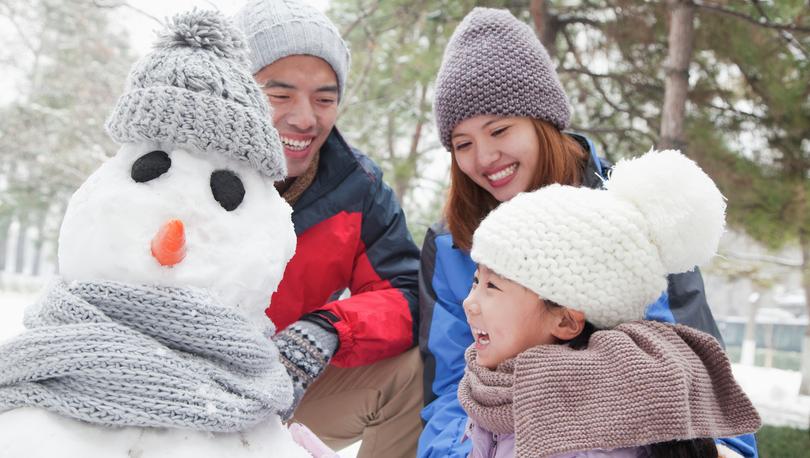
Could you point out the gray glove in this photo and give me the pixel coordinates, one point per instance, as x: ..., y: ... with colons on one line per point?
x: 305, y: 349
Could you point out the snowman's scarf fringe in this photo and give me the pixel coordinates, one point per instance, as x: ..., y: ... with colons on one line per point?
x: 122, y: 355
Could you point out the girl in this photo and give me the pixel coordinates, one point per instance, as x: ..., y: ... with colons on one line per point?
x: 556, y: 264
x: 500, y: 111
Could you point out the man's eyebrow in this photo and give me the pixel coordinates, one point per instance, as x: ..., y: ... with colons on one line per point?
x: 330, y: 88
x: 274, y: 84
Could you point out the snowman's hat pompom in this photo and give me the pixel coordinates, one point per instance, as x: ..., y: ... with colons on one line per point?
x: 684, y: 210
x: 199, y: 68
x: 204, y: 29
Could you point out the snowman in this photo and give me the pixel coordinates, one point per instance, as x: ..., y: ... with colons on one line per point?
x: 153, y: 342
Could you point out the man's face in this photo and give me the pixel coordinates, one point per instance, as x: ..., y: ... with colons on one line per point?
x: 303, y: 91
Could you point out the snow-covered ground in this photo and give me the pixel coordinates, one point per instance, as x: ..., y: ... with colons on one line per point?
x: 21, y: 292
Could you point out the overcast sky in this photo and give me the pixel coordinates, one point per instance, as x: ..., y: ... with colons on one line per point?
x: 139, y: 20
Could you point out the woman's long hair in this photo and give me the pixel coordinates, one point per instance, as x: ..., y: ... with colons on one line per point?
x: 562, y: 160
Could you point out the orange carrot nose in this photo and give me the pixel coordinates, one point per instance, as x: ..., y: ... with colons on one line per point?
x: 169, y: 244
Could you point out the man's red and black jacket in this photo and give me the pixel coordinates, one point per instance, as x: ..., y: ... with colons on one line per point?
x: 351, y: 235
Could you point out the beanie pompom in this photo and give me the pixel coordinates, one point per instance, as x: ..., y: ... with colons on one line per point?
x: 683, y: 207
x: 207, y: 30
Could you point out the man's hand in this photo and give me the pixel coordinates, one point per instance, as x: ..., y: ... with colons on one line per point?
x: 305, y: 349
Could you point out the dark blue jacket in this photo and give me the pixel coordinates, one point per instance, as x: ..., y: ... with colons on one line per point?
x: 445, y: 278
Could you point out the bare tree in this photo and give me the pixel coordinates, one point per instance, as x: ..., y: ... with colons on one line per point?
x: 676, y: 66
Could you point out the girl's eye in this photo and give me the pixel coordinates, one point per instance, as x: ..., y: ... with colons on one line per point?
x: 499, y: 131
x: 492, y: 285
x: 150, y: 166
x: 461, y: 146
x: 227, y: 189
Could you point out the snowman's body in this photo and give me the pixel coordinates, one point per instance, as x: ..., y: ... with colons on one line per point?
x: 36, y: 433
x: 238, y: 255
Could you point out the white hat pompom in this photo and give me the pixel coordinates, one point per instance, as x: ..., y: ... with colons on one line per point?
x: 683, y: 207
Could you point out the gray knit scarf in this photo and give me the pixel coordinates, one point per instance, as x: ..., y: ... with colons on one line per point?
x: 123, y: 355
x: 640, y: 383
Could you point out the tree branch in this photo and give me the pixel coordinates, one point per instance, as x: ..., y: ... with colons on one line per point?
x: 790, y: 39
x: 364, y: 14
x: 118, y: 4
x: 758, y: 22
x: 762, y: 258
x: 597, y: 85
x: 563, y: 21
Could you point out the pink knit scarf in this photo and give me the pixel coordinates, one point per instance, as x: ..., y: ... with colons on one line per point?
x: 640, y: 383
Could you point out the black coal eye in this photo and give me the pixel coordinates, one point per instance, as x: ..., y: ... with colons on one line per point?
x: 227, y: 189
x: 150, y: 166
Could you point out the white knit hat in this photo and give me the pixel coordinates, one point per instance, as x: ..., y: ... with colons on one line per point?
x: 607, y: 252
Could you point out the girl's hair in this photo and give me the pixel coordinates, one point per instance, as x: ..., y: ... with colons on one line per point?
x: 562, y: 160
x: 694, y: 448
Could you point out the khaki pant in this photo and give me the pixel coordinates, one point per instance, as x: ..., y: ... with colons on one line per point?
x: 378, y: 404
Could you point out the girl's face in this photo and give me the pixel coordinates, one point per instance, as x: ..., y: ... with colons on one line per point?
x: 506, y: 318
x: 498, y: 153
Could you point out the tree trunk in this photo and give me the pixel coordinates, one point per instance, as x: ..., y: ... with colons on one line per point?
x: 676, y: 66
x: 39, y: 241
x: 546, y: 25
x: 407, y: 172
x: 804, y: 242
x: 21, y: 249
x: 5, y: 223
x: 748, y: 350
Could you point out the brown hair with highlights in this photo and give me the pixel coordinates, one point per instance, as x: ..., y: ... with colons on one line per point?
x: 562, y: 160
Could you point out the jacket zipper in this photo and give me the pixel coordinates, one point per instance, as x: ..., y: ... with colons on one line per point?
x: 494, y: 448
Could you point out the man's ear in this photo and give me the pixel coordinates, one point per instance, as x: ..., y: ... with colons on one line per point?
x: 570, y: 324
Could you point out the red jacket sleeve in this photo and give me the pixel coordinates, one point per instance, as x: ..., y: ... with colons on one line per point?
x: 378, y: 320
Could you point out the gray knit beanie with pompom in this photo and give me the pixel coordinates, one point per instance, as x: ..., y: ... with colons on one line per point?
x: 495, y: 65
x: 194, y: 90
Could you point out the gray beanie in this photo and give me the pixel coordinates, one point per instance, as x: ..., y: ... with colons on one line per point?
x: 280, y: 28
x: 194, y: 89
x: 494, y: 64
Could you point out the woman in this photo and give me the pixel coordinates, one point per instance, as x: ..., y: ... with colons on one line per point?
x: 501, y: 111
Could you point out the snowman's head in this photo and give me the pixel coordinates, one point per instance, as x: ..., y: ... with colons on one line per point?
x: 189, y: 198
x: 162, y: 215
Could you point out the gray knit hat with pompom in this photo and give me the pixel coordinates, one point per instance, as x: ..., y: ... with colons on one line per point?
x: 194, y: 89
x: 495, y: 65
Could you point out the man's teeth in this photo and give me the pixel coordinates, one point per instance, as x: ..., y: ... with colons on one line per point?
x: 297, y: 145
x: 480, y: 336
x: 503, y: 173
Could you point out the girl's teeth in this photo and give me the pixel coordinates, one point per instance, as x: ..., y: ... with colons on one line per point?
x: 503, y: 173
x: 480, y: 336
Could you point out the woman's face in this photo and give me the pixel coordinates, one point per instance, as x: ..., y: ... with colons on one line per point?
x: 498, y: 153
x: 505, y: 318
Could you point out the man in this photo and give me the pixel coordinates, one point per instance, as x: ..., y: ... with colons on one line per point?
x: 351, y: 235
